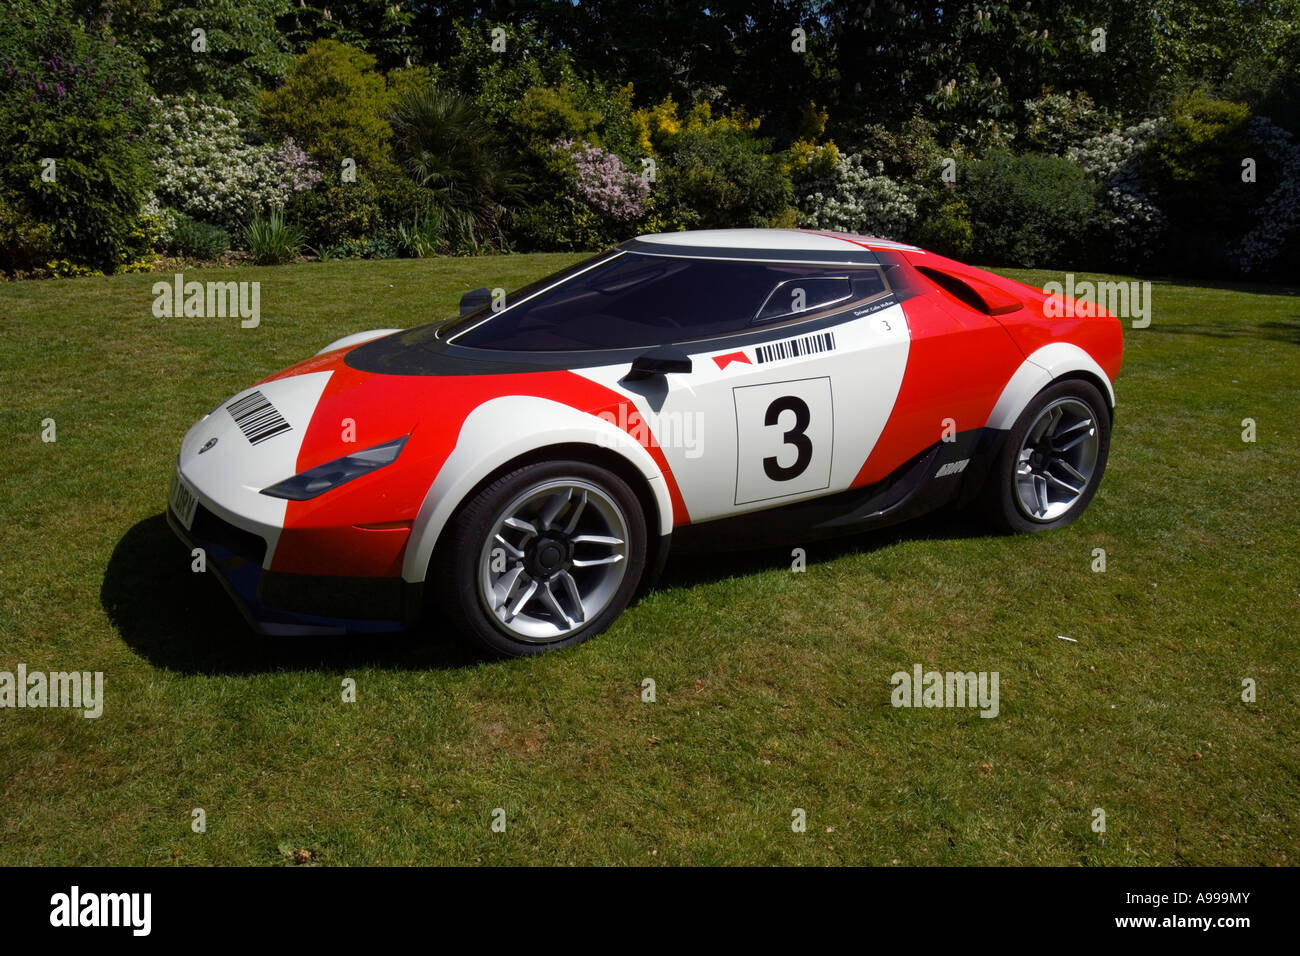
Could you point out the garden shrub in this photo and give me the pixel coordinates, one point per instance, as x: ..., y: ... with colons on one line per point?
x: 71, y: 97
x: 908, y: 153
x: 1031, y: 210
x: 945, y: 229
x: 601, y: 179
x: 448, y: 149
x: 1195, y: 168
x: 562, y: 223
x: 198, y: 240
x: 382, y: 246
x: 425, y: 237
x: 26, y: 245
x: 859, y: 198
x: 205, y: 168
x: 810, y: 158
x: 713, y: 173
x: 334, y: 211
x: 334, y: 105
x: 1271, y: 244
x: 546, y: 114
x: 583, y: 186
x: 1130, y: 221
x: 724, y: 180
x: 1055, y: 122
x: 593, y: 201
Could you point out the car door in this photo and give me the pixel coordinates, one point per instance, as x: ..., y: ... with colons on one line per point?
x: 789, y: 412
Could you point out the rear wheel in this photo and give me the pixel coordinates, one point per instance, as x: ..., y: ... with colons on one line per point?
x: 543, y: 557
x: 1052, y: 461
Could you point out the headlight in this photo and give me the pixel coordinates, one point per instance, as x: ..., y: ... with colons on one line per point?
x: 318, y: 480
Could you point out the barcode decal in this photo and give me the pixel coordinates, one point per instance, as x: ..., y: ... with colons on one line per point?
x: 793, y: 348
x: 257, y: 418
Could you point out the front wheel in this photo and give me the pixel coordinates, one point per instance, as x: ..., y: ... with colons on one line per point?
x: 1052, y: 461
x: 543, y: 557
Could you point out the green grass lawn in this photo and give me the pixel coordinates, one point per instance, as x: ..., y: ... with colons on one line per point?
x: 772, y: 687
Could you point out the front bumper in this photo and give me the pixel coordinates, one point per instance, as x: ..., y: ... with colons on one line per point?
x: 281, y: 603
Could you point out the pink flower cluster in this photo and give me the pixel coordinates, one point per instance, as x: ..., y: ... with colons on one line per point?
x: 297, y: 170
x: 605, y: 183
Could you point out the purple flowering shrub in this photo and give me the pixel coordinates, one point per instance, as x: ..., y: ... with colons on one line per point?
x: 72, y: 111
x: 601, y: 179
x: 298, y: 171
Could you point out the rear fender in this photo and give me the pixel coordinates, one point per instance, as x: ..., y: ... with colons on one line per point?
x: 1046, y: 365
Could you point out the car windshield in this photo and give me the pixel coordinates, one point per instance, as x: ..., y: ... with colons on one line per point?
x: 637, y: 300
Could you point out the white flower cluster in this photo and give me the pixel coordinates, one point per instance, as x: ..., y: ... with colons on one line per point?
x: 856, y: 199
x: 1280, y: 211
x: 205, y: 169
x: 164, y: 218
x: 1135, y: 219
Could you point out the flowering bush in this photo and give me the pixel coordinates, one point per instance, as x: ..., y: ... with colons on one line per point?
x: 711, y: 172
x: 1280, y: 212
x: 205, y: 169
x: 859, y: 198
x: 601, y: 179
x: 72, y: 108
x: 1128, y: 212
x: 162, y: 219
x: 298, y: 170
x: 1056, y: 121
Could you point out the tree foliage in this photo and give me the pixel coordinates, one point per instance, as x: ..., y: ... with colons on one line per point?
x: 334, y: 105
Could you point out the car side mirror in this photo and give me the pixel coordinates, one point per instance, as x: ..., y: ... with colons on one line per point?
x: 474, y: 300
x: 660, y: 361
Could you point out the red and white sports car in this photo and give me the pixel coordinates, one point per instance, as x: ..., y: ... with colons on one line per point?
x: 525, y: 467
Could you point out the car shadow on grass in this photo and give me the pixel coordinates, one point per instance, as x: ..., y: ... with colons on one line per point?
x: 183, y: 621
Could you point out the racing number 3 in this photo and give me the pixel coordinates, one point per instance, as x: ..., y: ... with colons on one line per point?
x: 796, y: 436
x: 784, y: 433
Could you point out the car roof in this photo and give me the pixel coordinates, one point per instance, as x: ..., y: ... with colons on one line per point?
x: 801, y: 245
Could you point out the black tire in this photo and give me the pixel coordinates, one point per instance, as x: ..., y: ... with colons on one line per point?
x: 1001, y: 499
x: 460, y: 571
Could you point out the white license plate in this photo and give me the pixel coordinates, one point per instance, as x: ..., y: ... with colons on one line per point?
x: 182, y: 501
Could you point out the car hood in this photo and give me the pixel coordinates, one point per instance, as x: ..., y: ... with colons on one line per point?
x: 335, y: 409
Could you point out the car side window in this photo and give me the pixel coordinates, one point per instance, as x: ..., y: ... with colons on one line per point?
x: 638, y: 300
x: 793, y: 297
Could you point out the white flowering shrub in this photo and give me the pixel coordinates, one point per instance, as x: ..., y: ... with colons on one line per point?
x: 1279, y: 214
x: 205, y: 169
x: 1056, y: 121
x: 1130, y: 212
x: 858, y: 198
x: 163, y: 219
